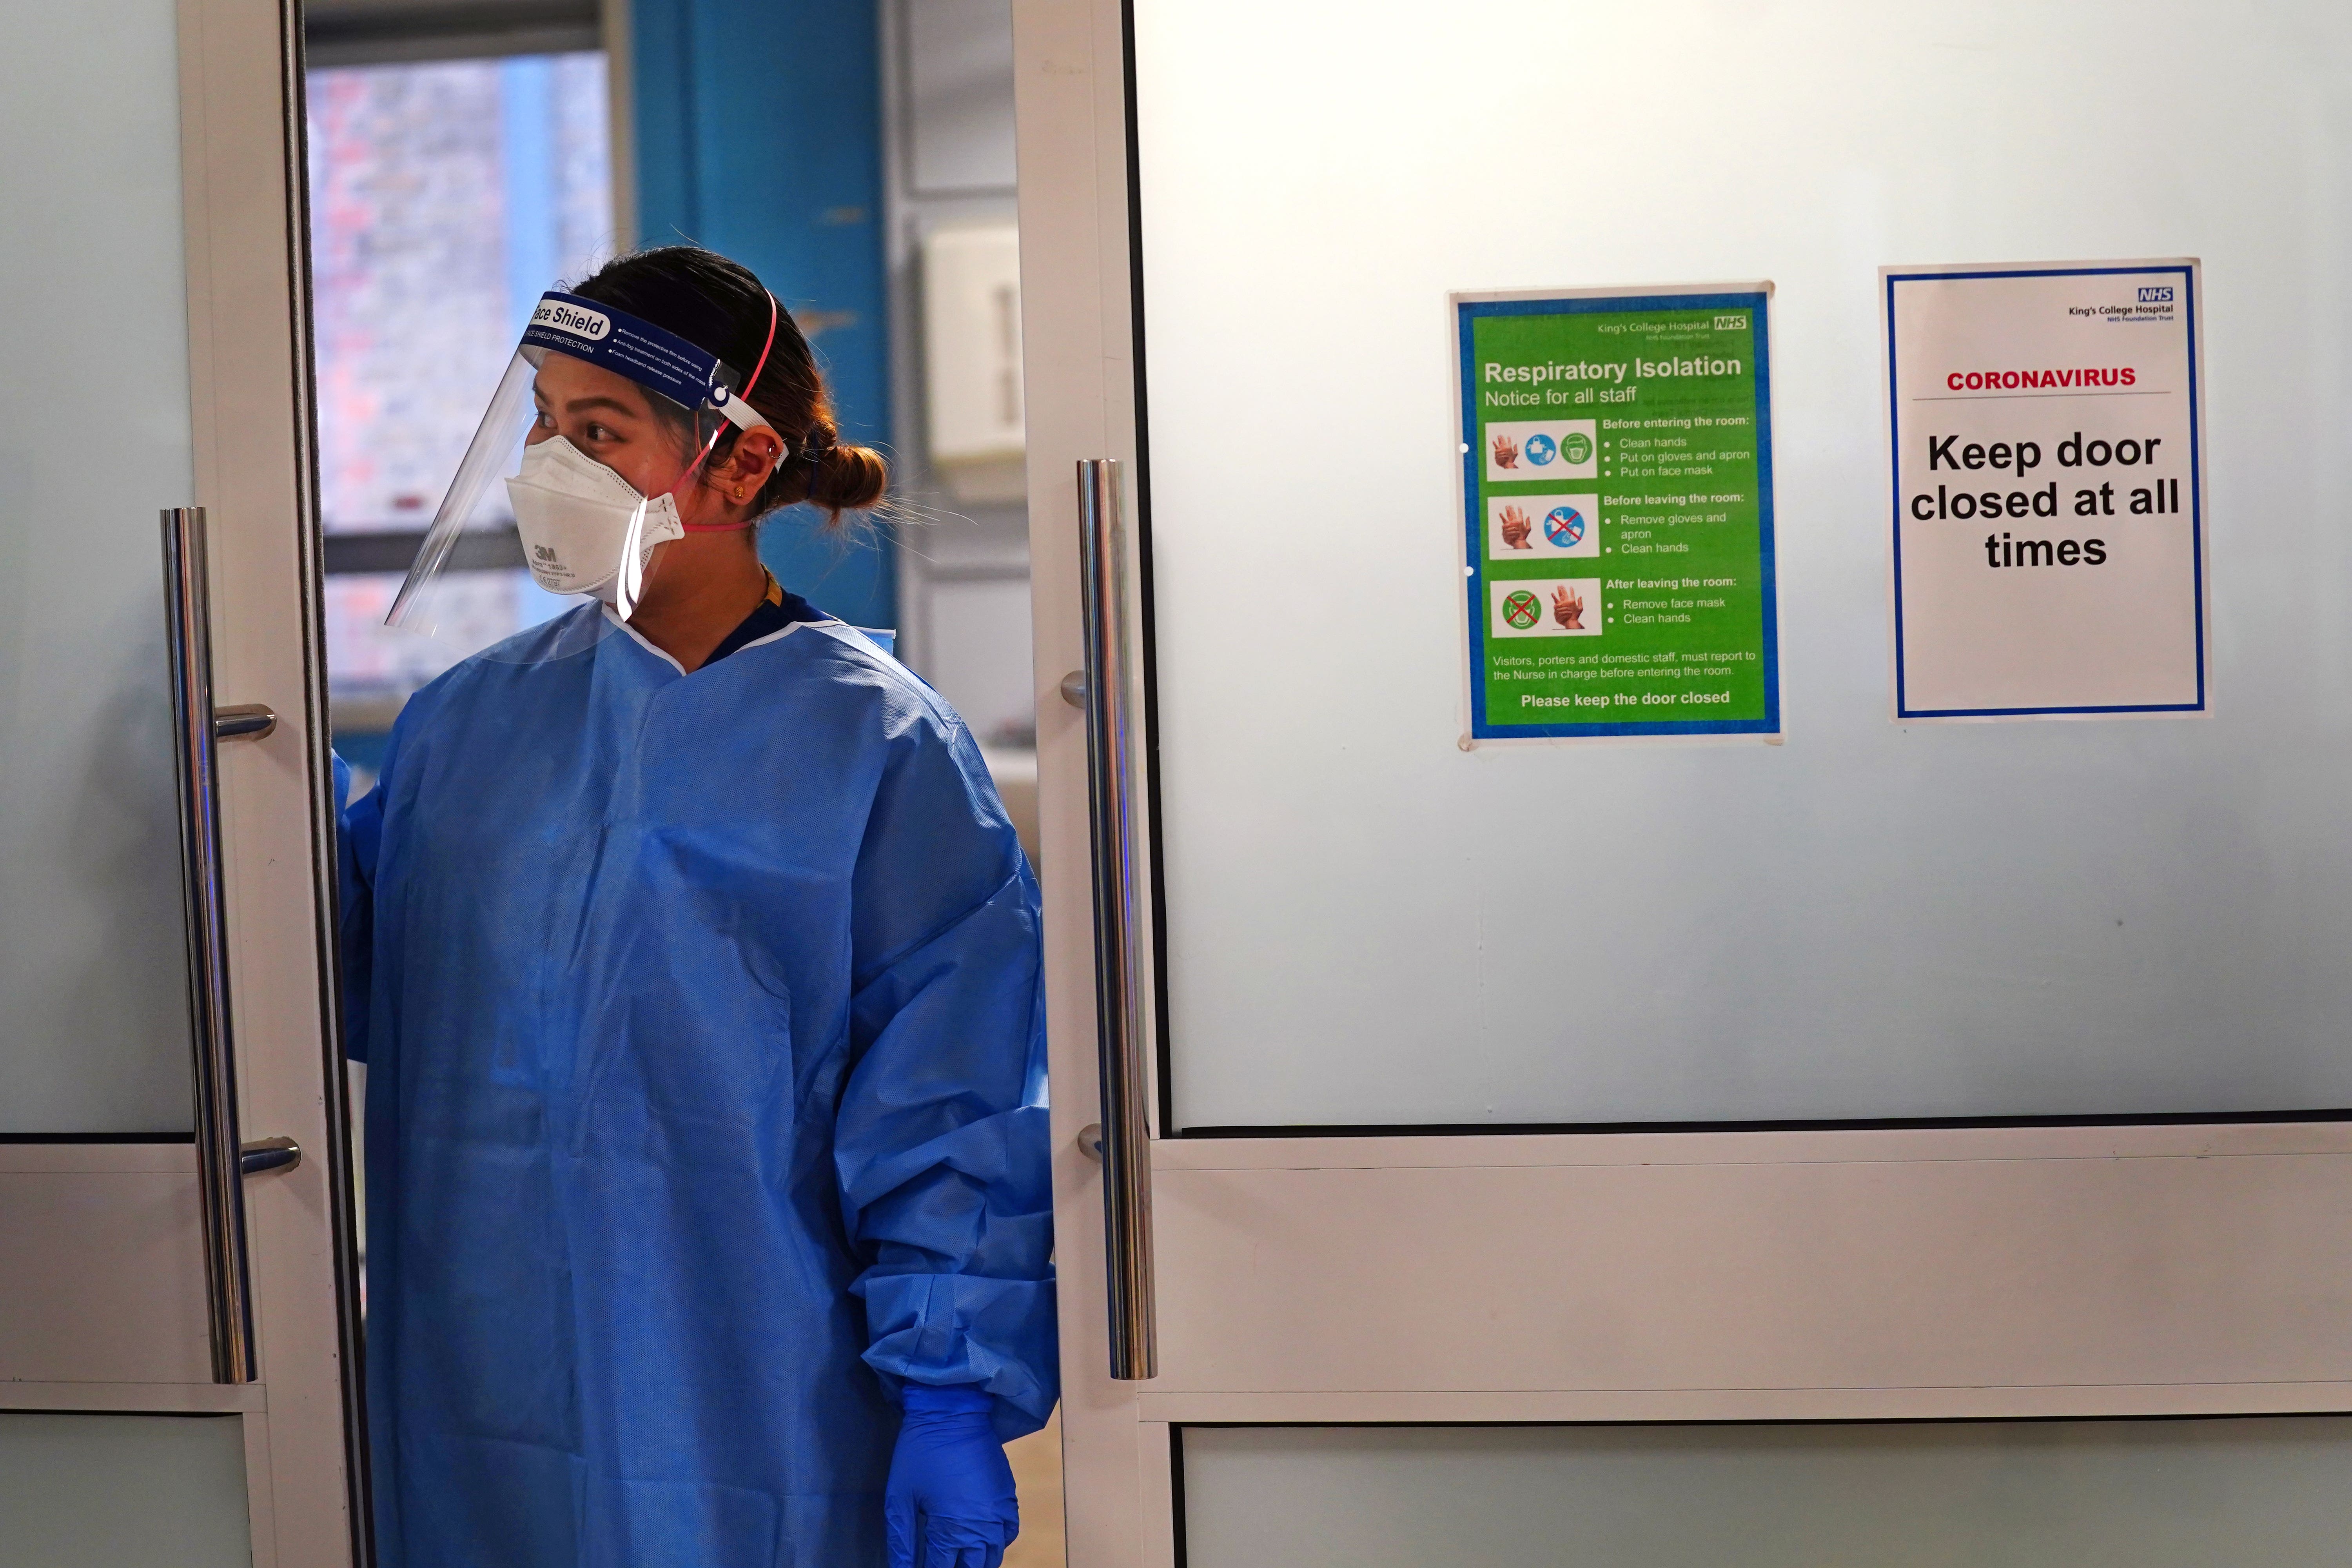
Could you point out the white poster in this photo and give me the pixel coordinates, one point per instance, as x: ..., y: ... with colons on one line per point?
x: 2049, y: 554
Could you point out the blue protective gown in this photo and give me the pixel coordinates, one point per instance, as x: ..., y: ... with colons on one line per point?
x: 706, y: 1101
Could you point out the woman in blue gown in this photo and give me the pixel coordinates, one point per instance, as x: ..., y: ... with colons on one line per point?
x: 696, y: 967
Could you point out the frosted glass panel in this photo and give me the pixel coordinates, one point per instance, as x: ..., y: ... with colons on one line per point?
x: 2129, y: 1494
x: 123, y: 1491
x: 94, y: 440
x: 1366, y: 924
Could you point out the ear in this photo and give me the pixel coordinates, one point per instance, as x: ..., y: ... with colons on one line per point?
x: 754, y: 457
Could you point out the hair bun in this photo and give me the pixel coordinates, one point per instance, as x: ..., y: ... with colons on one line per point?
x: 846, y: 479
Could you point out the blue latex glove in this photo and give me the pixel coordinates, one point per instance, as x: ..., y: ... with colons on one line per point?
x: 950, y: 1501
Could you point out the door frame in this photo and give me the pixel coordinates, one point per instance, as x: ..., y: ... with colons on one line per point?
x: 2148, y: 1269
x: 244, y: 222
x: 1078, y: 380
x: 245, y: 144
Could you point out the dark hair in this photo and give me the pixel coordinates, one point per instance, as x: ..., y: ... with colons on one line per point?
x: 718, y: 305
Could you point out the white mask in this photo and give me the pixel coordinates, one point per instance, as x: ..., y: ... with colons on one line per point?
x: 576, y: 518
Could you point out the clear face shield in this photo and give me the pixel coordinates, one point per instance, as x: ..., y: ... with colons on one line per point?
x: 589, y: 458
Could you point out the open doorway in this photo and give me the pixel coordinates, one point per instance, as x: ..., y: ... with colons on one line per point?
x: 463, y: 158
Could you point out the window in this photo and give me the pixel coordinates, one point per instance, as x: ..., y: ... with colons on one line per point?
x: 445, y: 196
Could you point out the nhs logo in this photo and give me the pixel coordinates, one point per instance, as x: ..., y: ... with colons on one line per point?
x: 2157, y: 294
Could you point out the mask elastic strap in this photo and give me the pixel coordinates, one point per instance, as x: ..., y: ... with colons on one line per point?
x: 728, y: 408
x: 631, y: 576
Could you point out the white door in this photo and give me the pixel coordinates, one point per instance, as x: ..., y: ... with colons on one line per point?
x: 1829, y: 1149
x: 178, y: 1314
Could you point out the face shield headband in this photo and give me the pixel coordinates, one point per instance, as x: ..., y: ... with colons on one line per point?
x: 676, y: 376
x: 660, y: 361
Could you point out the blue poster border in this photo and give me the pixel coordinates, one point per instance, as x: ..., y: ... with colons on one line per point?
x: 2188, y: 275
x: 1467, y: 313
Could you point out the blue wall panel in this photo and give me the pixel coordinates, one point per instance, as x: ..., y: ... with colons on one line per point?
x: 759, y: 134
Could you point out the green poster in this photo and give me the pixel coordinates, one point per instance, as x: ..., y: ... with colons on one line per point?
x: 1617, y: 510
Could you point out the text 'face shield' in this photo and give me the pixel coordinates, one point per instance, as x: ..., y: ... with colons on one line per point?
x: 593, y: 440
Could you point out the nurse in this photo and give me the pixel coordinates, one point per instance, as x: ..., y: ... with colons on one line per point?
x: 696, y: 967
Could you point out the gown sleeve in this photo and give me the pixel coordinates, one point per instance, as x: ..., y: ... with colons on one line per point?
x: 940, y: 1141
x: 359, y: 831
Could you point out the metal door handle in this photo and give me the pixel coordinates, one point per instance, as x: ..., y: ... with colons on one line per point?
x: 266, y: 1154
x: 220, y: 1166
x: 244, y: 722
x: 1119, y: 1000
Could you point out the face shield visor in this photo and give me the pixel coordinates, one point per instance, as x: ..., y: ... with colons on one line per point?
x: 589, y: 458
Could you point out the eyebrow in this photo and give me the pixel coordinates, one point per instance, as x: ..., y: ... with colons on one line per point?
x: 582, y: 405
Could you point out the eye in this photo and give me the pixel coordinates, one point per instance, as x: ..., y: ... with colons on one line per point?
x: 596, y: 432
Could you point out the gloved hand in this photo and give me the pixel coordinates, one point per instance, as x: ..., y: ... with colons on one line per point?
x: 949, y: 1502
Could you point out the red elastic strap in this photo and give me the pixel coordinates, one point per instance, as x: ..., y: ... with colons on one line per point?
x: 763, y: 349
x: 746, y: 395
